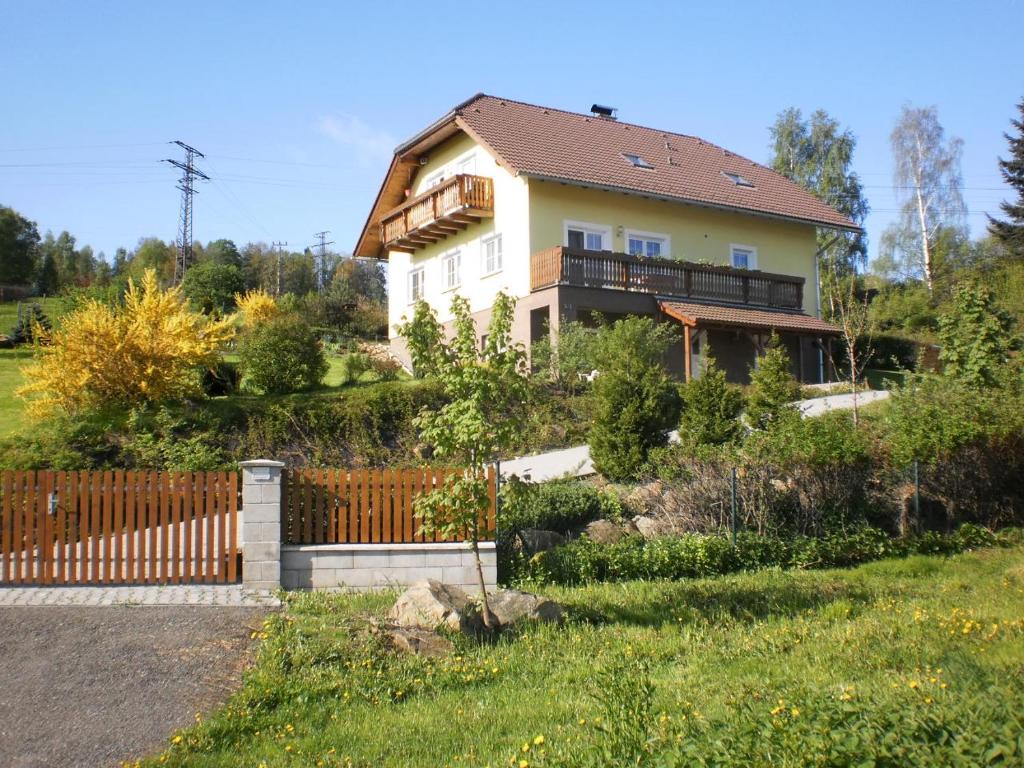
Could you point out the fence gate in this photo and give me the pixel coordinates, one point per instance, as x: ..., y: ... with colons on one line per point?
x: 365, y: 506
x: 118, y: 527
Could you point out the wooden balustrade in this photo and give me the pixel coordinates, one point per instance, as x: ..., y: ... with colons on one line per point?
x: 439, y: 212
x: 664, y: 277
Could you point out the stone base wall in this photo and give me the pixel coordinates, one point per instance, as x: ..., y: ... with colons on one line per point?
x: 380, y: 566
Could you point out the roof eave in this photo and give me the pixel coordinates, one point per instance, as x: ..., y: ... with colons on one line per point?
x: 690, y: 201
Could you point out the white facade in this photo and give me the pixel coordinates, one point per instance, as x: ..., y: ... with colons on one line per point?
x: 464, y: 263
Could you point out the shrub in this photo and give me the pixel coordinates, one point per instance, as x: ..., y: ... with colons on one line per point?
x: 826, y: 460
x: 256, y: 306
x: 146, y: 351
x: 385, y: 368
x: 282, y: 355
x: 772, y: 387
x: 636, y: 403
x: 167, y: 441
x: 562, y: 362
x: 699, y: 556
x: 423, y: 336
x: 33, y: 326
x: 364, y: 426
x: 711, y: 408
x: 353, y: 366
x: 975, y: 336
x: 212, y: 287
x: 560, y: 505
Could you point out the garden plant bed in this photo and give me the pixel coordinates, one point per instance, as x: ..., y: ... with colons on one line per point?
x: 914, y: 661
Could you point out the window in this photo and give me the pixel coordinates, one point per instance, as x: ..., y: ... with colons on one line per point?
x: 466, y: 165
x: 492, y: 255
x: 650, y: 244
x: 416, y: 285
x: 637, y: 161
x: 450, y: 265
x: 433, y: 180
x: 737, y: 179
x: 591, y: 237
x: 743, y: 256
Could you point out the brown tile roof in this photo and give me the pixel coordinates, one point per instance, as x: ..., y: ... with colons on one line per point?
x: 719, y: 314
x: 551, y: 143
x: 587, y: 150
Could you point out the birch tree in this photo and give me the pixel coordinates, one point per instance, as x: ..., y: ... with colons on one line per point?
x: 817, y: 154
x: 927, y: 183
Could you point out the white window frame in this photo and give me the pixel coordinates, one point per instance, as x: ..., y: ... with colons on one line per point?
x: 500, y: 258
x: 666, y: 242
x: 433, y: 180
x: 451, y: 256
x: 751, y: 258
x: 588, y: 228
x: 409, y: 285
x: 461, y: 162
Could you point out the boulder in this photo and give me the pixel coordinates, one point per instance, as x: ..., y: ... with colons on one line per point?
x: 648, y: 527
x: 510, y: 606
x: 429, y: 604
x: 606, y: 532
x: 534, y: 540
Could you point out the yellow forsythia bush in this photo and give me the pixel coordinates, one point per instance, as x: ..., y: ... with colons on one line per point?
x: 256, y: 307
x: 147, y: 350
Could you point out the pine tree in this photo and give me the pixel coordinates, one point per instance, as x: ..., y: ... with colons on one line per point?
x: 772, y: 387
x: 1011, y: 231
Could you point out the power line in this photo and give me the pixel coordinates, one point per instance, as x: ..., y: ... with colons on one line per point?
x: 189, y: 173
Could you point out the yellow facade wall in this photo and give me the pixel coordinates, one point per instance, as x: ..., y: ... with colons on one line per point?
x: 530, y: 216
x: 696, y: 233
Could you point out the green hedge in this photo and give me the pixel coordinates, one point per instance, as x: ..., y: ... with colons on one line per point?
x: 698, y: 555
x: 560, y: 505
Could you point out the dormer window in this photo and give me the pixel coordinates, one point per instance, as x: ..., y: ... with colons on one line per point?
x: 638, y: 162
x: 737, y: 179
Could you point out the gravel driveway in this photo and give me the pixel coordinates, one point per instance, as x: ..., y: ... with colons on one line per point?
x: 94, y: 686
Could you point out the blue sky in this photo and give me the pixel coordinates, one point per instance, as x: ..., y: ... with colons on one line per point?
x: 298, y: 105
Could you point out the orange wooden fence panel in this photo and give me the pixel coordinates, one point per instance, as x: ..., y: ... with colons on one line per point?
x: 117, y: 527
x: 359, y: 506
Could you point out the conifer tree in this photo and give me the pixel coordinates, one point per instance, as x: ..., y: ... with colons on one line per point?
x: 1010, y: 232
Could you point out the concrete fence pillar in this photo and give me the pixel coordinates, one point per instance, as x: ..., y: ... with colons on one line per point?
x: 261, y: 525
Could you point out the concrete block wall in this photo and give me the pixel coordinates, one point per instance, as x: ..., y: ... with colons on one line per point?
x: 380, y: 566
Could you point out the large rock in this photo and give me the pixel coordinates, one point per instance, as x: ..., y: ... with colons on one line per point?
x: 534, y: 540
x: 429, y: 604
x: 606, y: 532
x: 510, y: 606
x: 649, y: 527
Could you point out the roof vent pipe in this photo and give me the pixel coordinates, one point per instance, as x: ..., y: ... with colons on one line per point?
x: 602, y: 111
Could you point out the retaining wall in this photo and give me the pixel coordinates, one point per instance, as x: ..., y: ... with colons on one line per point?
x: 380, y: 566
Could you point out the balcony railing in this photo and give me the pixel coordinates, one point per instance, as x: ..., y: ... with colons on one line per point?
x: 664, y: 277
x: 438, y: 213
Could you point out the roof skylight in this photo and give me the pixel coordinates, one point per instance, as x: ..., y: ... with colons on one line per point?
x: 637, y: 161
x: 737, y: 179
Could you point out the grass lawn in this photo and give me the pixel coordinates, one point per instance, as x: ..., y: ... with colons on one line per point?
x: 900, y: 662
x: 12, y: 410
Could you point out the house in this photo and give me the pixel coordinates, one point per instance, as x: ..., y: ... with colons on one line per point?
x: 581, y: 213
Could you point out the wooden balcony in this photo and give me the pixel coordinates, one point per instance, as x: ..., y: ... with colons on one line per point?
x: 439, y: 212
x: 664, y: 277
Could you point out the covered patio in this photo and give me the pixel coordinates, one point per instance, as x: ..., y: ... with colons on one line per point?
x: 737, y: 336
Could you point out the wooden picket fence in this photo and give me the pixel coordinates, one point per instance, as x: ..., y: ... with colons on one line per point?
x: 118, y: 527
x: 364, y: 506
